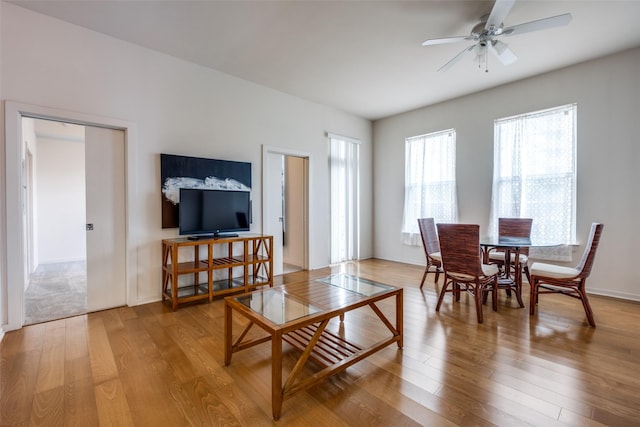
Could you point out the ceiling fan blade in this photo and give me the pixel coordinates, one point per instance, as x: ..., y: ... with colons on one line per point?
x: 540, y: 24
x: 456, y: 58
x: 501, y: 9
x: 444, y: 40
x: 502, y: 52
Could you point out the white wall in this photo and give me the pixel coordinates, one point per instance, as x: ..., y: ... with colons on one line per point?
x: 61, y: 201
x: 607, y: 92
x: 178, y: 108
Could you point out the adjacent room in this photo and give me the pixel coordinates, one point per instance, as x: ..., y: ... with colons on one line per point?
x: 358, y: 149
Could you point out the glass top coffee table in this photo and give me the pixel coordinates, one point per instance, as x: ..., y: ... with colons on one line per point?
x: 298, y: 314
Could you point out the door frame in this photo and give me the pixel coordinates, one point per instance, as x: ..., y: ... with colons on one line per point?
x: 12, y: 308
x: 269, y: 150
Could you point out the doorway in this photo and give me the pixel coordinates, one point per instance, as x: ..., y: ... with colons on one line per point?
x: 110, y: 269
x: 55, y: 204
x: 285, y: 207
x: 293, y: 241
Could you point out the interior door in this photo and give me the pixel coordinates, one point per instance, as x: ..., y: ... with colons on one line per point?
x: 294, y: 247
x: 105, y: 198
x: 272, y: 200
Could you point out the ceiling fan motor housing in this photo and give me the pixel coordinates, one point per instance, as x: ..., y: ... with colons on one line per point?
x: 480, y: 31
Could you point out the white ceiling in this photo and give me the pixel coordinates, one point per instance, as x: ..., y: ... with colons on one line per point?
x: 363, y: 57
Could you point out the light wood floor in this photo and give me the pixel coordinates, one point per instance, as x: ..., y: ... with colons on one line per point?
x: 149, y: 366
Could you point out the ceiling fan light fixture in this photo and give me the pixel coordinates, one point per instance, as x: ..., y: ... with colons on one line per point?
x: 502, y: 51
x: 480, y: 49
x: 499, y: 46
x: 481, y: 57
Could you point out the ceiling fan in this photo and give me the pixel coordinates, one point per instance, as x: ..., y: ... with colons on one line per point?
x: 486, y: 33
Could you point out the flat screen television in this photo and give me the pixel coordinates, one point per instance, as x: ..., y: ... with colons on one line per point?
x: 213, y: 213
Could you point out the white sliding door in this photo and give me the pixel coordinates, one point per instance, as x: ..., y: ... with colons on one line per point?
x: 105, y: 183
x: 273, y: 204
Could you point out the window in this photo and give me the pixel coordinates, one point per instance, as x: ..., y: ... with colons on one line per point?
x: 344, y: 160
x: 534, y: 174
x: 430, y: 182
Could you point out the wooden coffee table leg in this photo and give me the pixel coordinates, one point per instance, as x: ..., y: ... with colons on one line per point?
x: 400, y: 317
x: 276, y: 375
x: 227, y: 334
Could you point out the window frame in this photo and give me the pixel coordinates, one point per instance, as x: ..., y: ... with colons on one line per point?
x: 429, y: 171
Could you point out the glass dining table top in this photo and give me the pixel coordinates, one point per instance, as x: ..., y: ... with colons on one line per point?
x: 514, y: 242
x: 506, y: 241
x: 280, y: 307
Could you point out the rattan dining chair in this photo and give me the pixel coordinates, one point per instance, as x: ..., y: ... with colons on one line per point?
x: 463, y: 267
x: 431, y: 248
x: 551, y: 278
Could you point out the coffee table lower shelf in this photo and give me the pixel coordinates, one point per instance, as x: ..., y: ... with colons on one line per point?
x: 329, y: 350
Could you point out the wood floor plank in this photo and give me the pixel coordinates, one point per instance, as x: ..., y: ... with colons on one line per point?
x: 103, y: 365
x: 76, y: 337
x: 206, y: 404
x: 148, y: 365
x: 48, y: 408
x: 410, y: 399
x: 171, y: 352
x: 113, y: 409
x: 23, y: 340
x: 17, y: 386
x: 51, y: 370
x: 570, y: 418
x: 80, y: 407
x: 147, y: 385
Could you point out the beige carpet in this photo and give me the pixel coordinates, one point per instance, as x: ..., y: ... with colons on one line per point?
x: 56, y: 291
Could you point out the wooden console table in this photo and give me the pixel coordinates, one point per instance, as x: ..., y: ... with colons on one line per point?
x: 298, y: 314
x: 250, y: 252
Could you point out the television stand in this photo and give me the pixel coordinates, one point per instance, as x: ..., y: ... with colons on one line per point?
x: 226, y: 265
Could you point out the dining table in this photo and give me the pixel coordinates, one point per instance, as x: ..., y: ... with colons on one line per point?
x: 510, y: 245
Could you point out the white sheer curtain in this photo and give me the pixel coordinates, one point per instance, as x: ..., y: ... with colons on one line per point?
x: 343, y: 161
x: 534, y: 176
x: 430, y: 182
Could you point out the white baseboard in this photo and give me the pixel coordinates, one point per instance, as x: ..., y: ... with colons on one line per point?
x: 614, y: 294
x: 146, y: 301
x: 60, y: 260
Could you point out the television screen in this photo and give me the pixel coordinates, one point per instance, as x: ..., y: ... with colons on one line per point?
x: 213, y: 212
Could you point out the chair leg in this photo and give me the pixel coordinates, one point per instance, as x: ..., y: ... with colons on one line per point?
x: 424, y: 276
x: 533, y: 297
x: 437, y: 273
x: 526, y: 272
x: 442, y: 292
x: 494, y: 295
x: 478, y: 300
x: 586, y: 305
x: 518, y: 290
